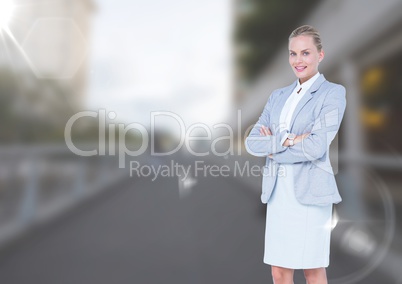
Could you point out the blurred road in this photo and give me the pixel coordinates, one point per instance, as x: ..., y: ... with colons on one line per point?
x: 144, y: 231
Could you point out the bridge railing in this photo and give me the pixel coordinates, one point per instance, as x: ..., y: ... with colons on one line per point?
x: 39, y: 182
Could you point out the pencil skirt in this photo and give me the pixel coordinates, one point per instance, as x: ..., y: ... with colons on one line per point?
x: 297, y: 235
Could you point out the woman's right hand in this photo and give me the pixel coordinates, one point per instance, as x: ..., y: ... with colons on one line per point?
x: 265, y: 131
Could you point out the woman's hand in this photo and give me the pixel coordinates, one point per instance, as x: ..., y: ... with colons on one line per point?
x: 298, y: 139
x: 303, y: 136
x: 265, y: 131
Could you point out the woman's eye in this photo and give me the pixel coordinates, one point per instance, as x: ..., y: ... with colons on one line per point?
x: 291, y: 54
x: 306, y: 53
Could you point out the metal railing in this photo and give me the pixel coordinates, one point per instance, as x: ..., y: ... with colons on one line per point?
x: 37, y: 183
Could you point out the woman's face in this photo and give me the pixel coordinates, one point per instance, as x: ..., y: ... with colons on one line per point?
x: 304, y: 57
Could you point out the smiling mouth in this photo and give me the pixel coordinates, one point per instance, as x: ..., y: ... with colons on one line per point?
x: 300, y: 69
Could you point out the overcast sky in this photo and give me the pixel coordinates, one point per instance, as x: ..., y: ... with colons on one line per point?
x: 161, y: 55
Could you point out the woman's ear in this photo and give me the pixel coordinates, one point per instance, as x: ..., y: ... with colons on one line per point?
x: 321, y: 55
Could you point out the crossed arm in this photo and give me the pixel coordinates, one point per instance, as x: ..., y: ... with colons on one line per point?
x: 265, y: 131
x: 308, y: 146
x: 263, y: 141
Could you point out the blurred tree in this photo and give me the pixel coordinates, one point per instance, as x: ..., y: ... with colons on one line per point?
x: 31, y: 110
x: 261, y: 27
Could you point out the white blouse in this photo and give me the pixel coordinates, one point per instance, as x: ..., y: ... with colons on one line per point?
x: 291, y: 103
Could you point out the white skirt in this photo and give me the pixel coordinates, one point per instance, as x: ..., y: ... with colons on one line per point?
x: 297, y: 236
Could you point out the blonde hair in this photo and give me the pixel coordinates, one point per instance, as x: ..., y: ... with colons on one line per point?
x: 307, y: 30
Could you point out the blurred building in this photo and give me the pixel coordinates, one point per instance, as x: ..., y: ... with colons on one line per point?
x: 258, y: 36
x: 50, y: 39
x: 363, y: 55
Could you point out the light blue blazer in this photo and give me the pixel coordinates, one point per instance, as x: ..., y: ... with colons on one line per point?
x: 319, y: 112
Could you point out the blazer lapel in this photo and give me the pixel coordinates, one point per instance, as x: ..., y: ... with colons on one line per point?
x: 283, y: 96
x: 306, y: 97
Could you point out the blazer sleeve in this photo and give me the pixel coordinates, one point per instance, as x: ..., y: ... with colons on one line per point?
x: 324, y: 130
x: 259, y: 145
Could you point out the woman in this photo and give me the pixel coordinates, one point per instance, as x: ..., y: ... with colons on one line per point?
x: 294, y: 132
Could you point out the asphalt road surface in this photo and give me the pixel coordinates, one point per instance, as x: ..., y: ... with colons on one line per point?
x: 144, y: 231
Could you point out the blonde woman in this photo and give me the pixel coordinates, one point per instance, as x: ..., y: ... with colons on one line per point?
x: 294, y: 132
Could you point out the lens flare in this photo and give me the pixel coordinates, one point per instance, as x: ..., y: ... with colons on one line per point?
x: 6, y: 12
